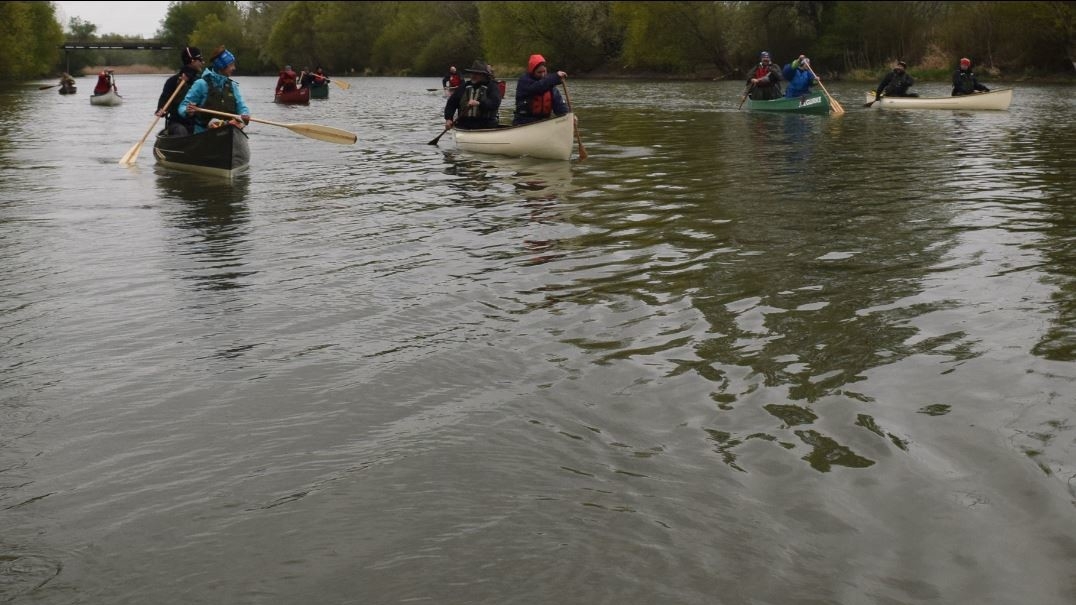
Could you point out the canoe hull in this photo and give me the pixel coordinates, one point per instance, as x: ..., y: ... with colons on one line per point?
x: 109, y: 98
x: 319, y: 92
x: 995, y: 100
x: 223, y: 151
x: 299, y: 96
x: 68, y: 90
x: 547, y: 139
x: 814, y: 103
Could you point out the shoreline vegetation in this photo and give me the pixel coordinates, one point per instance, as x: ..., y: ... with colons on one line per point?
x: 1012, y: 40
x: 511, y: 73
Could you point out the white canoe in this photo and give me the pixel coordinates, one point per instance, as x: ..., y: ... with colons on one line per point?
x: 109, y: 98
x: 995, y: 99
x: 547, y: 139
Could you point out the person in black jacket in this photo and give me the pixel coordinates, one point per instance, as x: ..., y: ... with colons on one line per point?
x: 476, y: 101
x: 896, y: 83
x: 964, y: 80
x: 764, y: 80
x: 193, y: 65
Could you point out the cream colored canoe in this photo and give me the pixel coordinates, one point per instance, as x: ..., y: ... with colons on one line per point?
x: 550, y: 139
x: 995, y: 99
x: 109, y: 98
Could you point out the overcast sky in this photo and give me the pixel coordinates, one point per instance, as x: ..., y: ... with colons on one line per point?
x: 124, y: 18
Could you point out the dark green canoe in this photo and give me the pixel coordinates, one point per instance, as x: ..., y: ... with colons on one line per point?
x: 319, y: 92
x: 814, y: 102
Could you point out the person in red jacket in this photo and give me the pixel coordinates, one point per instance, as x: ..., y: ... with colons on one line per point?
x: 286, y: 81
x: 105, y: 83
x: 452, y: 80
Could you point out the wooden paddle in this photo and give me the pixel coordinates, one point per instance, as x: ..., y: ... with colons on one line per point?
x: 833, y: 104
x: 745, y: 93
x: 131, y: 156
x: 314, y: 131
x: 438, y: 137
x: 343, y: 85
x: 48, y: 87
x: 877, y: 97
x: 568, y: 99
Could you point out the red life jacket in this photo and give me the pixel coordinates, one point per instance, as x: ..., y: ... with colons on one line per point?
x: 761, y: 72
x: 542, y: 105
x: 454, y: 80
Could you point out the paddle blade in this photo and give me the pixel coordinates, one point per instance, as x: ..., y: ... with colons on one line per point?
x: 324, y: 133
x: 342, y: 84
x: 131, y: 156
x: 438, y: 137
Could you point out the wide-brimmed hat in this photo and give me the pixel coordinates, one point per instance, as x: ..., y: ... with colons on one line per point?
x: 478, y: 67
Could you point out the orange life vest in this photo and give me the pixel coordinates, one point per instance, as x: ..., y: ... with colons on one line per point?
x: 542, y: 105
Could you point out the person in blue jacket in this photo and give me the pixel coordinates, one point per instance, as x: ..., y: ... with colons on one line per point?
x: 799, y: 78
x: 537, y: 97
x: 215, y: 90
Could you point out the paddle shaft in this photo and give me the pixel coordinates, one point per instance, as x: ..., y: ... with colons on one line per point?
x: 313, y: 131
x: 438, y: 137
x: 877, y: 97
x: 746, y: 92
x: 833, y: 102
x: 575, y: 127
x: 343, y: 85
x: 132, y: 154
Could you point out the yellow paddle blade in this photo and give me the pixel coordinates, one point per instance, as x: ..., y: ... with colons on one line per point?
x: 342, y: 84
x: 322, y: 133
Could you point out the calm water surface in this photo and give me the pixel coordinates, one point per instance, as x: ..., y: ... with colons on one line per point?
x: 729, y: 358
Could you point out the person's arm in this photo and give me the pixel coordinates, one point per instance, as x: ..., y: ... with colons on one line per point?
x: 166, y: 93
x: 452, y: 105
x: 240, y: 104
x: 881, y: 87
x: 195, y: 97
x: 532, y: 87
x: 559, y: 106
x: 980, y: 87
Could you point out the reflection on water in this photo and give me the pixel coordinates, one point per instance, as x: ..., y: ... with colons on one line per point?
x: 213, y: 218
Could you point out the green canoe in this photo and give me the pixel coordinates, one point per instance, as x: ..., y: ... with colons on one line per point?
x: 814, y: 102
x: 319, y: 92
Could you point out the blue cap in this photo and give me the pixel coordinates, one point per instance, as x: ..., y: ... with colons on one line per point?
x: 764, y: 55
x: 223, y: 60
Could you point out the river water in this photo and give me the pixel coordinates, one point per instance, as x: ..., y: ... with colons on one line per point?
x: 729, y: 358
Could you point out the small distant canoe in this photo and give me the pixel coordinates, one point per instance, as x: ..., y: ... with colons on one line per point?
x: 319, y: 92
x: 223, y: 151
x: 813, y: 103
x: 68, y: 90
x: 997, y: 100
x: 299, y: 96
x: 549, y: 139
x: 109, y: 98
